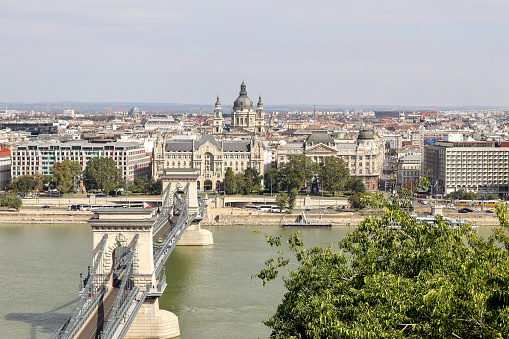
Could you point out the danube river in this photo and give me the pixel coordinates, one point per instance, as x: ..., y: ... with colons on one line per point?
x: 208, y: 287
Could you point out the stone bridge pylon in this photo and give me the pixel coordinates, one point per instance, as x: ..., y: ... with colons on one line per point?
x: 178, y: 179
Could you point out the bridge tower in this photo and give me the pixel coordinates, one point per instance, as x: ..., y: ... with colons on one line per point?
x: 178, y: 178
x: 122, y: 226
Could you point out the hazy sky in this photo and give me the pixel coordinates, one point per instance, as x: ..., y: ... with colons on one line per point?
x: 394, y: 52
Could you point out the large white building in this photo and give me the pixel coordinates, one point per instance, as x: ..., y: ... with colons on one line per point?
x: 477, y: 166
x: 211, y: 157
x: 39, y: 157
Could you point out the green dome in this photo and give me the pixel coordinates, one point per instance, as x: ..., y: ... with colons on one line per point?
x: 365, y: 135
x: 243, y: 100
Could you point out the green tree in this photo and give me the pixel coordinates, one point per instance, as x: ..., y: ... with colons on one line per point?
x: 26, y: 183
x: 462, y: 195
x: 76, y: 171
x: 61, y: 175
x: 240, y: 184
x: 157, y: 188
x: 252, y: 180
x: 230, y: 185
x: 101, y: 174
x: 290, y: 177
x: 333, y: 174
x: 292, y: 197
x: 417, y: 281
x: 10, y: 200
x: 271, y: 180
x: 138, y: 185
x: 306, y: 166
x: 356, y: 200
x: 355, y: 184
x: 281, y: 200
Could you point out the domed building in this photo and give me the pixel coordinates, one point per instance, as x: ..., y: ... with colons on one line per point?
x: 364, y: 156
x: 244, y: 116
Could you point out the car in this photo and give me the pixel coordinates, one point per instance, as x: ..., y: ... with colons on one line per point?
x: 160, y: 240
x: 45, y: 206
x: 465, y: 210
x: 490, y: 211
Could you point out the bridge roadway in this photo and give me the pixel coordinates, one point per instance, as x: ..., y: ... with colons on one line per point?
x: 99, y: 317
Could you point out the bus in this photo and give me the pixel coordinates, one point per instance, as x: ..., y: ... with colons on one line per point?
x: 479, y: 203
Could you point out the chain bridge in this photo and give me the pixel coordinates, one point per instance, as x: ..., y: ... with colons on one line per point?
x: 119, y: 295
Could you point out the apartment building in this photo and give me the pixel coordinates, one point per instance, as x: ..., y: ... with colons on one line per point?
x: 39, y: 157
x: 477, y: 166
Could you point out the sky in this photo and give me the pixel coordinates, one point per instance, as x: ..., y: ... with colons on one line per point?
x: 341, y: 52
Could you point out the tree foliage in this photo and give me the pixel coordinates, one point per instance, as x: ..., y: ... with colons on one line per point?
x: 292, y: 197
x: 252, y: 179
x: 24, y: 183
x: 462, y: 195
x: 10, y: 200
x: 230, y: 185
x: 357, y: 200
x: 414, y: 281
x: 281, y: 201
x: 333, y: 174
x: 102, y: 174
x: 65, y: 175
x: 306, y: 167
x: 355, y: 184
x: 271, y: 180
x: 290, y: 177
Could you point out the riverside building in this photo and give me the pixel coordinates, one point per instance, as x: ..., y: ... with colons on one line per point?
x: 211, y: 157
x: 39, y: 157
x: 478, y: 166
x: 364, y: 156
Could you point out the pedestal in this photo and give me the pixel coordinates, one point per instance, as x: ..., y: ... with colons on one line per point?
x: 153, y: 323
x: 195, y: 236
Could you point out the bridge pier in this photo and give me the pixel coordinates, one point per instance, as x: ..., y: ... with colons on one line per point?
x: 195, y: 236
x: 153, y: 323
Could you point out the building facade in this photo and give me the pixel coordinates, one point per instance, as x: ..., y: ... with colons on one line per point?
x: 5, y: 168
x: 364, y: 156
x: 480, y: 166
x: 39, y: 157
x: 211, y: 157
x: 408, y: 169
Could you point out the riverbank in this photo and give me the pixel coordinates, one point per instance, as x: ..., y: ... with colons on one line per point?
x: 221, y: 217
x: 239, y: 216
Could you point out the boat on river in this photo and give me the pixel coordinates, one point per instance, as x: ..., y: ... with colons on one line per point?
x: 303, y: 221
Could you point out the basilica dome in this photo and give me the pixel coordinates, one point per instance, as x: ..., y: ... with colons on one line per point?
x: 243, y: 100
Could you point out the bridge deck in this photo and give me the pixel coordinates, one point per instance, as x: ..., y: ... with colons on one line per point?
x: 99, y: 317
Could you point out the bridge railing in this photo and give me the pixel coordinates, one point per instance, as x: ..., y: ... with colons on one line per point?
x: 162, y: 251
x: 89, y: 299
x: 129, y: 320
x: 164, y: 212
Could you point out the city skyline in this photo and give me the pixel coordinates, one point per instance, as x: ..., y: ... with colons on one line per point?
x: 394, y: 53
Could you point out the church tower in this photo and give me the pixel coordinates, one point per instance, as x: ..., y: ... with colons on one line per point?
x: 218, y: 118
x: 260, y: 117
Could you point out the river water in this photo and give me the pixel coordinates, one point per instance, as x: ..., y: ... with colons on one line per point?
x: 208, y: 287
